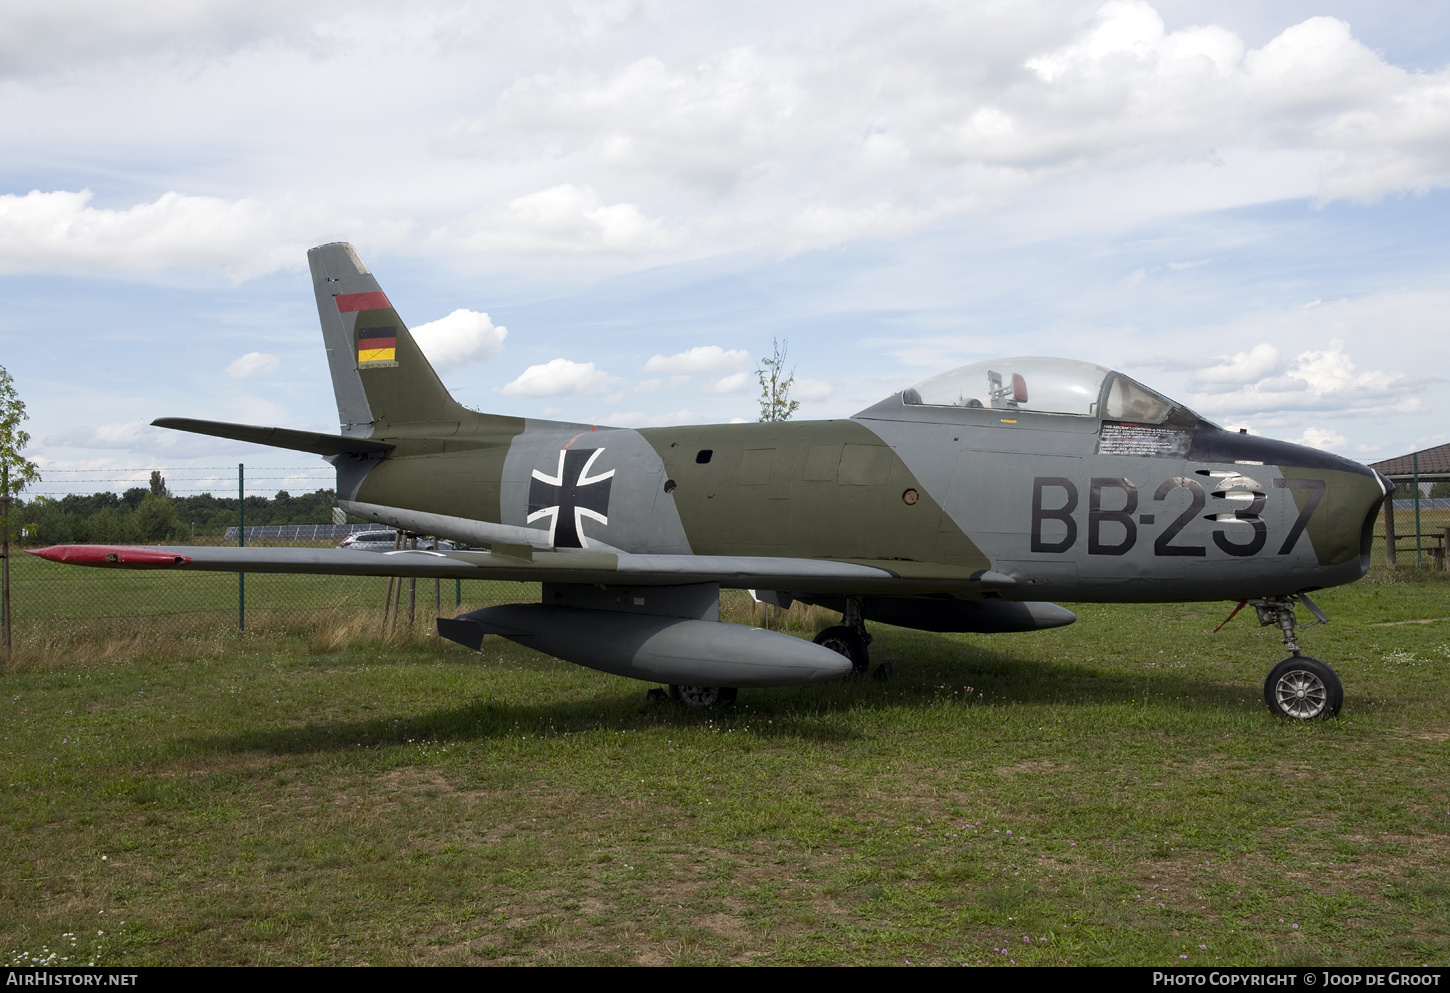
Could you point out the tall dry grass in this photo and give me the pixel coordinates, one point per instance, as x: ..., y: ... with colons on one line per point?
x: 72, y: 641
x: 801, y: 619
x: 58, y: 643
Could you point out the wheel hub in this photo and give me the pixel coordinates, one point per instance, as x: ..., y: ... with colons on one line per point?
x: 702, y: 696
x: 699, y: 696
x: 1301, y: 694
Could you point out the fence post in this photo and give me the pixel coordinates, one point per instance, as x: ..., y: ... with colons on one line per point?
x: 412, y: 593
x: 241, y: 543
x: 5, y: 558
x: 1415, y: 463
x: 1390, y: 529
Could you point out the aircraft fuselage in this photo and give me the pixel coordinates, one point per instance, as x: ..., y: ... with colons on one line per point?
x: 1072, y: 508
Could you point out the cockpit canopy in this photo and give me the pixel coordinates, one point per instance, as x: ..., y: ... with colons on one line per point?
x: 1050, y: 386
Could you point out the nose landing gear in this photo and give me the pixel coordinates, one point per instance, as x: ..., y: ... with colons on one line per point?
x: 1299, y: 688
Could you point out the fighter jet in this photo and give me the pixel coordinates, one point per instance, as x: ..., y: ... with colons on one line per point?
x: 966, y: 503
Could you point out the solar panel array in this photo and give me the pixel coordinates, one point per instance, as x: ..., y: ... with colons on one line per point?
x: 304, y: 532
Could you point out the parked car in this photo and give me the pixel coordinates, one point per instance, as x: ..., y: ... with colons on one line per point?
x: 385, y: 540
x: 371, y: 541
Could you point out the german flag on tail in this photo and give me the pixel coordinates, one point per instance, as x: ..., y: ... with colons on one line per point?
x: 377, y: 348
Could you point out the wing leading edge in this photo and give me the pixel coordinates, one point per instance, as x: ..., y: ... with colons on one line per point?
x: 525, y: 564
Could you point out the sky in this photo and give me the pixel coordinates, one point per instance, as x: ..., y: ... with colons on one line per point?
x: 611, y: 211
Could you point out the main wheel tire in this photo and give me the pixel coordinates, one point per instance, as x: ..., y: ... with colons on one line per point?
x: 1303, y: 689
x: 703, y: 696
x: 846, y: 641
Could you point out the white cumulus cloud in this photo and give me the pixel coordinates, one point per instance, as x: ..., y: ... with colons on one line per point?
x: 462, y: 338
x: 44, y: 35
x: 251, y: 364
x: 1322, y: 438
x: 926, y: 111
x: 730, y: 384
x: 559, y: 377
x: 1323, y: 380
x: 1240, y: 368
x: 565, y: 219
x: 60, y: 232
x: 873, y: 123
x: 701, y: 358
x: 706, y: 124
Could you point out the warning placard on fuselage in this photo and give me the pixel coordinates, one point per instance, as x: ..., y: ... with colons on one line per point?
x: 1117, y: 438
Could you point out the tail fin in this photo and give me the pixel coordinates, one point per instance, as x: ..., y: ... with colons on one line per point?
x: 380, y: 375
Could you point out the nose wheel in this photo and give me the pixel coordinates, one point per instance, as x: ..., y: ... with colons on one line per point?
x: 1303, y: 689
x: 1299, y: 688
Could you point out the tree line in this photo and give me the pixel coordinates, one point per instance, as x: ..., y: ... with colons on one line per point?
x: 151, y: 513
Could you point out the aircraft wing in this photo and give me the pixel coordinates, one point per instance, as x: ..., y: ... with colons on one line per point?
x: 522, y: 563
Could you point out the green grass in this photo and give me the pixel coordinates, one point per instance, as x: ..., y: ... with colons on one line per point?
x: 1115, y: 791
x: 62, y: 613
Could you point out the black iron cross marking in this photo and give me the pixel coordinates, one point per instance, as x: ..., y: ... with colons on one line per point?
x: 566, y: 504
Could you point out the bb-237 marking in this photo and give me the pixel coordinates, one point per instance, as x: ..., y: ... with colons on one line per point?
x: 1165, y: 545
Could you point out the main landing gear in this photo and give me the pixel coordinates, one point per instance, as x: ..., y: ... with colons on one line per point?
x: 695, y: 697
x: 1299, y: 688
x: 850, y: 638
x: 703, y: 696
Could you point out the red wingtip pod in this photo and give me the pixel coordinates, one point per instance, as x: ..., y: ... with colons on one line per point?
x: 113, y: 555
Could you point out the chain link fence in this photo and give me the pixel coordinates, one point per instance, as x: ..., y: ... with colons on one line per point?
x: 59, y: 611
x: 56, y: 604
x: 60, y: 608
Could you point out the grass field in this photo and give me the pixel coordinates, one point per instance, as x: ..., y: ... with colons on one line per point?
x: 92, y: 614
x: 1114, y: 792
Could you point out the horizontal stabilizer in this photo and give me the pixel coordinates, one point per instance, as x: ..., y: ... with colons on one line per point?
x: 298, y: 441
x: 460, y: 529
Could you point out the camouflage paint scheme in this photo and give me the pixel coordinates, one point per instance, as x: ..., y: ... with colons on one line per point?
x: 834, y: 489
x: 905, y: 499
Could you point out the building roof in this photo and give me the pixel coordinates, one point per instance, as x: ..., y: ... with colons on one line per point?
x: 1434, y: 462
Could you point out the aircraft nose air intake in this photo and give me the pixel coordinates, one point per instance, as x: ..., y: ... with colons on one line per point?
x: 1322, y: 507
x: 1341, y: 529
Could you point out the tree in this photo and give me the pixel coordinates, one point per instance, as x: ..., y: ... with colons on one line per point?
x: 775, y: 384
x: 158, y: 484
x: 155, y: 519
x: 22, y: 471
